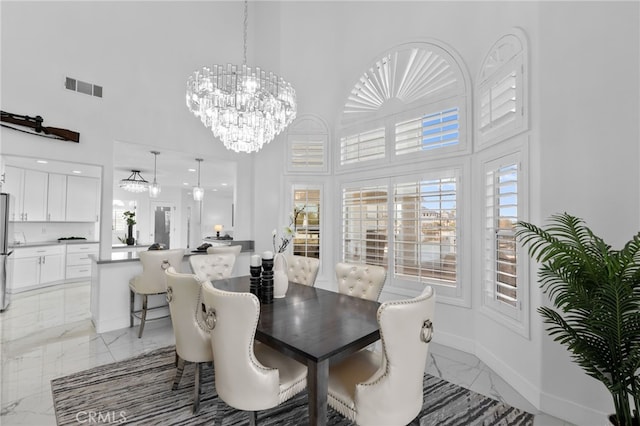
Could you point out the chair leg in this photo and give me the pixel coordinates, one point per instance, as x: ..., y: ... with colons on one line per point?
x: 253, y: 418
x: 179, y: 370
x: 132, y: 299
x: 196, y: 388
x: 143, y: 315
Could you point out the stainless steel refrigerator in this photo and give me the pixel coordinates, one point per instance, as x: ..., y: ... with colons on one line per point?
x: 5, y: 252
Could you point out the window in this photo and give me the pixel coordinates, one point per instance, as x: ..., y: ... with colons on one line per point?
x: 411, y: 100
x: 425, y: 231
x: 503, y: 266
x: 306, y: 241
x: 307, y: 140
x: 362, y: 147
x: 364, y: 225
x: 432, y: 131
x: 502, y: 90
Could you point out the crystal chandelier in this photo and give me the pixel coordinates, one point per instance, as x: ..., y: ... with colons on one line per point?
x: 134, y: 183
x: 244, y: 107
x: 154, y: 188
x: 198, y: 191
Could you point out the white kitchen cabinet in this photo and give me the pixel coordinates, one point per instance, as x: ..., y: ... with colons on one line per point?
x: 32, y: 267
x: 57, y: 197
x: 78, y: 260
x: 28, y: 189
x: 82, y: 199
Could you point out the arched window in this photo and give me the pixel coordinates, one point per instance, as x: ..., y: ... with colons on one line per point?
x: 410, y: 104
x: 307, y: 140
x: 501, y: 99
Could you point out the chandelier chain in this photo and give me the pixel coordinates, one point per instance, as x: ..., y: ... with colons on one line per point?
x: 244, y: 35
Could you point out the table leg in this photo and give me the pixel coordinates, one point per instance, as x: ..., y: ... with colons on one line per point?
x: 317, y: 382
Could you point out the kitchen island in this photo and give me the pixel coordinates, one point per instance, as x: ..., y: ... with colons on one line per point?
x: 110, y: 285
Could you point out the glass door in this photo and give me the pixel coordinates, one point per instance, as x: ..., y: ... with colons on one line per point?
x: 163, y: 229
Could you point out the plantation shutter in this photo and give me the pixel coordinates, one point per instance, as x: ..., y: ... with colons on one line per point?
x: 431, y: 131
x: 500, y: 243
x: 307, y: 154
x: 306, y: 242
x: 363, y: 146
x: 364, y: 225
x: 425, y: 216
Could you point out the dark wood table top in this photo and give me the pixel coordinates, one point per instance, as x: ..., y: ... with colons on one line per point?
x: 311, y: 323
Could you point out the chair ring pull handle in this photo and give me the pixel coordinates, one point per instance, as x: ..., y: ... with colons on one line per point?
x: 169, y: 294
x: 165, y: 264
x: 427, y: 331
x: 211, y: 319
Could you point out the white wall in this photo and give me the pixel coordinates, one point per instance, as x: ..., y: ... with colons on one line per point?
x: 584, y: 70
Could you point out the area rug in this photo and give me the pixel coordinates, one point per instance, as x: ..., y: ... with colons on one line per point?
x: 138, y: 391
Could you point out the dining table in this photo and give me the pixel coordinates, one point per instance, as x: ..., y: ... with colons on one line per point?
x: 316, y: 327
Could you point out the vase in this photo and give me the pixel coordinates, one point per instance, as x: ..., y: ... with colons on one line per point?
x: 280, y: 277
x: 130, y: 240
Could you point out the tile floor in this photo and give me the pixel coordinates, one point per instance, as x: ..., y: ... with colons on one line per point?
x: 48, y: 333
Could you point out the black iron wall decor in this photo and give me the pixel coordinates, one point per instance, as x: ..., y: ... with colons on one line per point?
x: 33, y: 125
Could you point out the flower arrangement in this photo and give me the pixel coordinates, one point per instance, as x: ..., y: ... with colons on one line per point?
x: 130, y: 217
x: 288, y: 232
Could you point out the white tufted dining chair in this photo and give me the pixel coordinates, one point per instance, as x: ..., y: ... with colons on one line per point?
x: 151, y: 281
x: 302, y: 269
x: 249, y: 376
x: 211, y: 267
x: 193, y: 342
x: 372, y: 388
x: 235, y: 249
x: 360, y: 280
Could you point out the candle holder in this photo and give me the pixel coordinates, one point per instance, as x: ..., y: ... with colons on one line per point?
x: 255, y: 281
x: 266, y: 286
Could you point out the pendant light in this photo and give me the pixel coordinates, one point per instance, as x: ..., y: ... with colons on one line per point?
x: 154, y: 188
x: 198, y: 191
x: 134, y: 183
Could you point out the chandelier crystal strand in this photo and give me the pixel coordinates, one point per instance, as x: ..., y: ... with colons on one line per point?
x: 198, y: 191
x: 244, y: 107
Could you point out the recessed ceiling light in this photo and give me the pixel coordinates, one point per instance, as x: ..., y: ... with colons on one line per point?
x: 214, y: 189
x: 42, y: 161
x: 185, y: 183
x: 191, y: 170
x: 224, y: 184
x: 77, y: 172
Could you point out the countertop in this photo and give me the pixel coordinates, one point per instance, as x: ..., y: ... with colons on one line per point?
x: 52, y: 243
x: 133, y: 256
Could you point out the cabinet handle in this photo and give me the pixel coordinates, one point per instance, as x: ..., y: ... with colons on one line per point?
x: 49, y: 216
x: 25, y: 216
x: 40, y: 260
x: 44, y: 259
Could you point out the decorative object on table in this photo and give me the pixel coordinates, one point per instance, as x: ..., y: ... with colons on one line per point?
x: 596, y: 293
x: 266, y: 286
x: 134, y: 183
x: 218, y: 229
x: 287, y: 233
x: 130, y: 217
x: 280, y: 276
x: 255, y: 269
x: 198, y: 191
x: 280, y: 244
x: 246, y: 108
x: 154, y: 188
x: 202, y: 248
x: 157, y: 246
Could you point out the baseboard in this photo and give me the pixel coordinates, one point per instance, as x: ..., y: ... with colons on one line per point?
x: 572, y: 412
x: 455, y: 342
x: 524, y: 387
x: 543, y: 401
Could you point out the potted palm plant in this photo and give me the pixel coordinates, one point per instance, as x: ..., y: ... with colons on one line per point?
x: 595, y: 291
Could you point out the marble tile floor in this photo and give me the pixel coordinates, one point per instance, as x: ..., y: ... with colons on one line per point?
x: 47, y: 333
